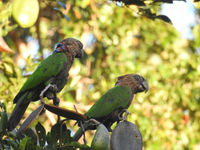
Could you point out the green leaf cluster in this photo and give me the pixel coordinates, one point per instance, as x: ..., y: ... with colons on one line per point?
x: 58, y: 138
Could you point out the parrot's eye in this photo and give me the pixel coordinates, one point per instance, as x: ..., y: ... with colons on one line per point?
x: 60, y: 48
x: 138, y: 78
x: 117, y: 83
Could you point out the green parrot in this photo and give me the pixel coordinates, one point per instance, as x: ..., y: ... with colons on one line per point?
x: 110, y: 107
x: 48, y: 79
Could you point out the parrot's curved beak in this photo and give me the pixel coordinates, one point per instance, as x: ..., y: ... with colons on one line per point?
x: 145, y: 86
x: 80, y: 54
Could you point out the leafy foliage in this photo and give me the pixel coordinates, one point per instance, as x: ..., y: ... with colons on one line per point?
x: 58, y: 138
x: 117, y: 40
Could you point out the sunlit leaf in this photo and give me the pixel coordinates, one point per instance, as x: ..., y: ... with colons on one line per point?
x: 25, y: 12
x: 23, y: 143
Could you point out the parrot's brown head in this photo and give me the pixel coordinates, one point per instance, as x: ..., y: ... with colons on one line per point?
x: 70, y: 46
x: 136, y: 82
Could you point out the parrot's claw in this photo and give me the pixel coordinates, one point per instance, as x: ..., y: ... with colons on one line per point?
x: 93, y: 122
x: 42, y: 99
x: 53, y: 87
x: 126, y: 114
x: 120, y: 115
x: 89, y: 123
x: 84, y: 139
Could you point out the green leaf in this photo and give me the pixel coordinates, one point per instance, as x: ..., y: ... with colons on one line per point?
x: 25, y: 12
x: 74, y: 146
x: 3, y: 107
x: 27, y: 144
x: 7, y: 143
x: 66, y: 138
x: 41, y: 134
x: 3, y: 119
x: 30, y: 133
x: 134, y: 2
x: 55, y: 132
x: 50, y: 141
x: 23, y: 143
x: 164, y: 18
x: 63, y: 129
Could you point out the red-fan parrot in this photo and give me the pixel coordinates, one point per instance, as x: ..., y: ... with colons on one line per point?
x: 111, y: 105
x: 48, y: 79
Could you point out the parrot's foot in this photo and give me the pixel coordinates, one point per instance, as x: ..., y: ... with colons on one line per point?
x: 92, y: 122
x: 126, y: 114
x: 84, y: 138
x: 88, y: 124
x: 120, y: 115
x: 53, y: 87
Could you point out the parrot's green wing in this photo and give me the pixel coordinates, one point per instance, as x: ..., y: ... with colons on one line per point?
x: 117, y: 97
x: 47, y: 69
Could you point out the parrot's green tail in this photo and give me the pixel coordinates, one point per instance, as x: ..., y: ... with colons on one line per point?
x: 18, y: 112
